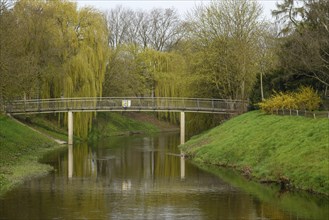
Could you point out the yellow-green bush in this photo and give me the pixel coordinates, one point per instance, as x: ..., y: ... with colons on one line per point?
x: 279, y: 101
x: 305, y: 99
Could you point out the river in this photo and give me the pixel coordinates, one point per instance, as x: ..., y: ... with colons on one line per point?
x: 144, y: 177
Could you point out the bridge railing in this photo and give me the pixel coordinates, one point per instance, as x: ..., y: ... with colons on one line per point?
x: 126, y: 103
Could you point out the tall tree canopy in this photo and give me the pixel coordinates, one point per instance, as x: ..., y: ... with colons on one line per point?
x: 305, y: 48
x: 59, y: 51
x: 227, y: 34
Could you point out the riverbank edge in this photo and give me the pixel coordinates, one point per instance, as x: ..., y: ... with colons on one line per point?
x: 128, y: 123
x: 22, y: 149
x: 27, y: 166
x: 220, y: 147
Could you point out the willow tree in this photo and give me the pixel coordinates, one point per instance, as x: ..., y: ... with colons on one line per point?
x: 84, y: 56
x: 25, y: 49
x: 11, y: 44
x: 163, y: 74
x: 65, y: 50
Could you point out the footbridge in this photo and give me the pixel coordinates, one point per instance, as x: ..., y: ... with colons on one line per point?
x: 119, y: 104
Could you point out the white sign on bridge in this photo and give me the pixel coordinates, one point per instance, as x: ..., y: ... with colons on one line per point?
x: 126, y: 103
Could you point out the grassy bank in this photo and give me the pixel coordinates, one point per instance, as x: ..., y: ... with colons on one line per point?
x: 291, y: 150
x: 114, y: 124
x: 45, y: 125
x: 20, y: 150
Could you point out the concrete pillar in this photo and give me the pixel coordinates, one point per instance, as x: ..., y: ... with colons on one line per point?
x: 182, y: 167
x: 70, y: 127
x: 70, y: 161
x: 182, y: 127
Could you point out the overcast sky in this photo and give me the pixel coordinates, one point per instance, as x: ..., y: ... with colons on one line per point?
x: 182, y: 6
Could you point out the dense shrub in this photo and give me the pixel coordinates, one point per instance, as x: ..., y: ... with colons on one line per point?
x: 305, y: 99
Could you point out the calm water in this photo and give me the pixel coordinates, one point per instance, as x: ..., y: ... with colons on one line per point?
x: 144, y: 177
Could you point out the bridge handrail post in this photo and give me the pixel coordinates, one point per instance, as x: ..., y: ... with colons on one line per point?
x: 38, y: 103
x: 7, y: 107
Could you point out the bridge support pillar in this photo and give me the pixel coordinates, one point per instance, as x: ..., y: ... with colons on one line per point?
x: 182, y: 127
x: 70, y: 161
x: 70, y: 127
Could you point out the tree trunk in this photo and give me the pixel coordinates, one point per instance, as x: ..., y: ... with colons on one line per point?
x: 261, y: 86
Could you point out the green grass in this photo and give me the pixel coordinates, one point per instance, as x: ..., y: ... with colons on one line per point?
x: 20, y: 150
x: 46, y: 126
x: 113, y: 124
x: 270, y: 148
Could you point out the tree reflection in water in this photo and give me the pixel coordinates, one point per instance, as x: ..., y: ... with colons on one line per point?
x: 144, y: 178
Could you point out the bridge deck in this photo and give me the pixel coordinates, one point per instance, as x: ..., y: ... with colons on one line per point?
x: 221, y: 106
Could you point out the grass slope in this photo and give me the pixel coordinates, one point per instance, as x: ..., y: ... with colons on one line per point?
x: 46, y: 126
x: 268, y: 147
x: 20, y: 150
x: 113, y: 124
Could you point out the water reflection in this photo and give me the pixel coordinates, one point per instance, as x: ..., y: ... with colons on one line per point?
x: 143, y: 160
x: 270, y: 200
x: 140, y: 178
x: 89, y: 164
x: 182, y: 167
x: 70, y: 160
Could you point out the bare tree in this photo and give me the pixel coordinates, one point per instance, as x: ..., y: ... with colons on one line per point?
x: 164, y: 29
x: 157, y: 29
x: 6, y: 5
x: 289, y: 14
x: 120, y: 22
x: 142, y: 22
x: 305, y: 51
